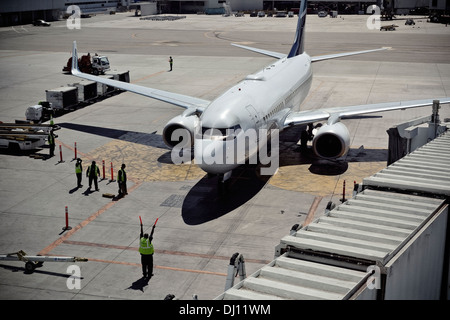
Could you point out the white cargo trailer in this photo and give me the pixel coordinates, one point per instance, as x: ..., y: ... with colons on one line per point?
x: 62, y: 98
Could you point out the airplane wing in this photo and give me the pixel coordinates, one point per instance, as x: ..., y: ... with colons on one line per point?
x: 261, y: 51
x: 309, y: 116
x: 169, y: 97
x: 344, y: 54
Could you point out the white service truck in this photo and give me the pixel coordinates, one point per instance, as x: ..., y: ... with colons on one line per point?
x: 25, y: 136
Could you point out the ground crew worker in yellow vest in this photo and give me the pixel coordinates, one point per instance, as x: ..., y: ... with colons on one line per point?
x: 146, y: 250
x: 79, y: 172
x: 93, y: 172
x: 51, y: 143
x: 122, y: 181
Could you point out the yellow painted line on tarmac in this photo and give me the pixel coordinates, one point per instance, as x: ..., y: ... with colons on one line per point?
x: 82, y: 224
x: 159, y: 267
x: 191, y: 270
x: 79, y: 153
x: 149, y: 76
x: 159, y: 251
x: 312, y: 211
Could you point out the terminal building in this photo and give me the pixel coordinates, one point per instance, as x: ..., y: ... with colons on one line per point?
x: 21, y: 12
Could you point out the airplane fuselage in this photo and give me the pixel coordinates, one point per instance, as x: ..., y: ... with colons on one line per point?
x: 257, y: 104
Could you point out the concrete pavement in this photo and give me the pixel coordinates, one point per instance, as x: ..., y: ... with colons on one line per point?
x: 197, y: 230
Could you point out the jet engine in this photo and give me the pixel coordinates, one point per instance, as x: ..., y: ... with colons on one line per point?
x: 180, y: 129
x: 331, y: 141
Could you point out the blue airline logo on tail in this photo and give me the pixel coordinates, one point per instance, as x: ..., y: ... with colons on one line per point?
x: 298, y: 46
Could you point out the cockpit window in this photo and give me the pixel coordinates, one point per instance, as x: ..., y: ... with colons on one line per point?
x: 221, y: 133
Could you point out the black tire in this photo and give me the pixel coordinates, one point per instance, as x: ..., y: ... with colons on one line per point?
x: 29, y: 267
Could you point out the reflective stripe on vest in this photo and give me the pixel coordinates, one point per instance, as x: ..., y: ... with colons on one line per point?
x: 145, y: 246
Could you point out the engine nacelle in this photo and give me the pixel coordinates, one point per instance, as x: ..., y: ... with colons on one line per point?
x: 331, y: 141
x: 180, y: 130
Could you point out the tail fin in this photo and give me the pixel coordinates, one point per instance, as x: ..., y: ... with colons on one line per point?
x: 74, y: 58
x: 298, y: 46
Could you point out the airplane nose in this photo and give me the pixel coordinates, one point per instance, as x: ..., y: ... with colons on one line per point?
x: 214, y: 156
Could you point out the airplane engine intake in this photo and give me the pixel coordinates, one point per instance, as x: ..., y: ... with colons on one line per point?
x: 180, y: 131
x: 331, y: 141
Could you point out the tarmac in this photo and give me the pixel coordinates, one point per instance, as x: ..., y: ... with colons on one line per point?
x: 198, y: 229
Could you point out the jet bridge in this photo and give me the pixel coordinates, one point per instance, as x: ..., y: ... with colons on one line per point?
x: 390, y: 241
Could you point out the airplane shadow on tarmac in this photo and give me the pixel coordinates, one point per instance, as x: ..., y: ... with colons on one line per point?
x: 148, y: 139
x: 210, y: 199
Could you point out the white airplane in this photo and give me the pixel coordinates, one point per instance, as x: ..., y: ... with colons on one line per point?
x: 263, y: 102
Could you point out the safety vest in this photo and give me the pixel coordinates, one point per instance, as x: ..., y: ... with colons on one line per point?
x: 122, y: 175
x: 78, y: 168
x: 92, y: 168
x: 51, y: 139
x: 145, y: 246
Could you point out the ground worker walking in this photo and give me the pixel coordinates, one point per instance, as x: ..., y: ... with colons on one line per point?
x: 93, y: 172
x: 79, y: 172
x: 170, y: 63
x: 51, y: 143
x: 122, y: 181
x: 146, y: 250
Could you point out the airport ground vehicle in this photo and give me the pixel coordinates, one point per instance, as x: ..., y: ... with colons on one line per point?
x: 390, y: 27
x: 33, y: 262
x: 41, y: 22
x: 62, y: 98
x: 24, y: 136
x: 90, y: 64
x: 40, y: 112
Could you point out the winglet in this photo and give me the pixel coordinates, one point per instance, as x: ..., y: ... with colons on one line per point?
x: 75, y: 59
x: 298, y: 46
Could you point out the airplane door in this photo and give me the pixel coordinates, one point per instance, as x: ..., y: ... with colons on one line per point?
x: 253, y: 114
